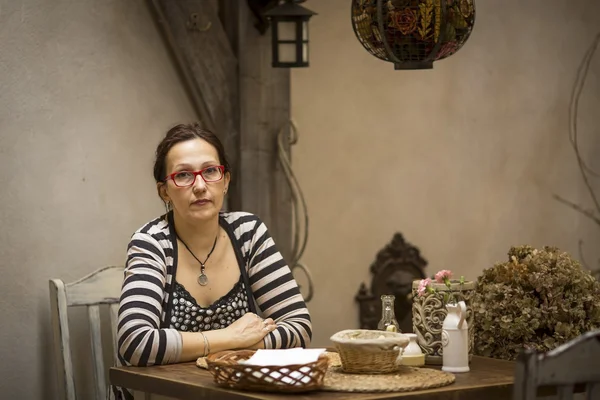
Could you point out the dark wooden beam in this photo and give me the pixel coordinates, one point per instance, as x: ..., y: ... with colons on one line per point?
x: 208, y: 67
x: 264, y: 99
x: 225, y: 64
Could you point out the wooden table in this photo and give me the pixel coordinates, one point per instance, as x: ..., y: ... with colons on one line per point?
x: 488, y: 379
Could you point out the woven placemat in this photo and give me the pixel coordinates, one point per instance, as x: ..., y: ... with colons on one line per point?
x: 201, y: 363
x: 406, y: 379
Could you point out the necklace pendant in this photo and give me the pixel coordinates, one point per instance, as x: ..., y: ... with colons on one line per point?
x: 202, y: 279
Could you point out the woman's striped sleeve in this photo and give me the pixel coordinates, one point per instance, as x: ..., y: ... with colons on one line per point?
x: 277, y: 293
x: 140, y: 341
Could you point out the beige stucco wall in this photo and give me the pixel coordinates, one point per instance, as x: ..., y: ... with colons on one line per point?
x: 86, y: 91
x: 462, y: 159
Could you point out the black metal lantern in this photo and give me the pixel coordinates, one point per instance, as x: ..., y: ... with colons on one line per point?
x: 413, y: 34
x: 289, y: 34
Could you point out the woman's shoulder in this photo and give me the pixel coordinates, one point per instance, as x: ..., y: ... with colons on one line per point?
x: 241, y: 222
x: 238, y: 218
x: 158, y: 228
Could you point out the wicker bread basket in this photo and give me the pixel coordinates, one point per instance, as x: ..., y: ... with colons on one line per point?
x: 228, y: 372
x: 369, y: 351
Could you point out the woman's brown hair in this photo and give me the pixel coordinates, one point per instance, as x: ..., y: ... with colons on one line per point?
x: 181, y: 133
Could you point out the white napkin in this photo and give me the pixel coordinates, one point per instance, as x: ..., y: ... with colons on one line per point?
x: 297, y: 355
x: 283, y: 357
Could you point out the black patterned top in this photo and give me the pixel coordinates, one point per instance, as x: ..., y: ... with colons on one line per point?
x: 189, y: 316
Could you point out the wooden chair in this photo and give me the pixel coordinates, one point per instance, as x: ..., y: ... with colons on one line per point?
x: 574, y: 363
x: 102, y: 286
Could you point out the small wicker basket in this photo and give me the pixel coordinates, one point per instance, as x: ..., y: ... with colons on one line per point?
x: 228, y: 372
x: 369, y: 351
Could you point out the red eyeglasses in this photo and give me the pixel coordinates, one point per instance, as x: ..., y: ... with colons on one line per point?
x: 188, y: 178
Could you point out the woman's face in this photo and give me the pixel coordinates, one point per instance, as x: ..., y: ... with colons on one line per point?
x: 203, y: 200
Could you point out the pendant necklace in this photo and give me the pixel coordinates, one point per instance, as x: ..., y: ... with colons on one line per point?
x: 202, y: 278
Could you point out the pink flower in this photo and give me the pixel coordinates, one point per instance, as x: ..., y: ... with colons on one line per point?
x: 423, y: 284
x: 441, y: 276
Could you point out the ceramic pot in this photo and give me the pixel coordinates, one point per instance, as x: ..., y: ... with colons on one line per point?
x: 413, y: 355
x: 455, y: 339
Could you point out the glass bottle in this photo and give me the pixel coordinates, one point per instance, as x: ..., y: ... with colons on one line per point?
x: 388, y: 319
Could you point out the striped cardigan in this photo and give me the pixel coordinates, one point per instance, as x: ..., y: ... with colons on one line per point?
x: 145, y: 336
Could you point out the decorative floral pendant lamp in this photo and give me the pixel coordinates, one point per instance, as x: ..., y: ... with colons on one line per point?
x: 413, y: 34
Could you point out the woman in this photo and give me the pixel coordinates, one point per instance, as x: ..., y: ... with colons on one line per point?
x: 197, y: 278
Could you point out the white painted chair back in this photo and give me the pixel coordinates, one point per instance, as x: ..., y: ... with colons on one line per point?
x: 102, y: 286
x: 574, y: 363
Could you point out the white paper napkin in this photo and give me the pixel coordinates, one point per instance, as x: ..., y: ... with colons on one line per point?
x: 280, y: 357
x: 283, y: 357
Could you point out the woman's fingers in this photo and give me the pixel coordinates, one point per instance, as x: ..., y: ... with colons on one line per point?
x: 266, y: 324
x: 270, y: 324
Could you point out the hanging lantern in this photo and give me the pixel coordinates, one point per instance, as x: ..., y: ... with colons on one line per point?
x: 413, y: 34
x: 289, y: 34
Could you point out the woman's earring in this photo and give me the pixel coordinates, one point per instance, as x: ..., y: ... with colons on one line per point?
x: 167, y: 205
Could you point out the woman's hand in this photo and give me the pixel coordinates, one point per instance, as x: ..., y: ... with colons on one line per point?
x: 250, y: 329
x: 245, y: 333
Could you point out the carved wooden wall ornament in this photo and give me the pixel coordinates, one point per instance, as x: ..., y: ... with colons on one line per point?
x: 396, y: 266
